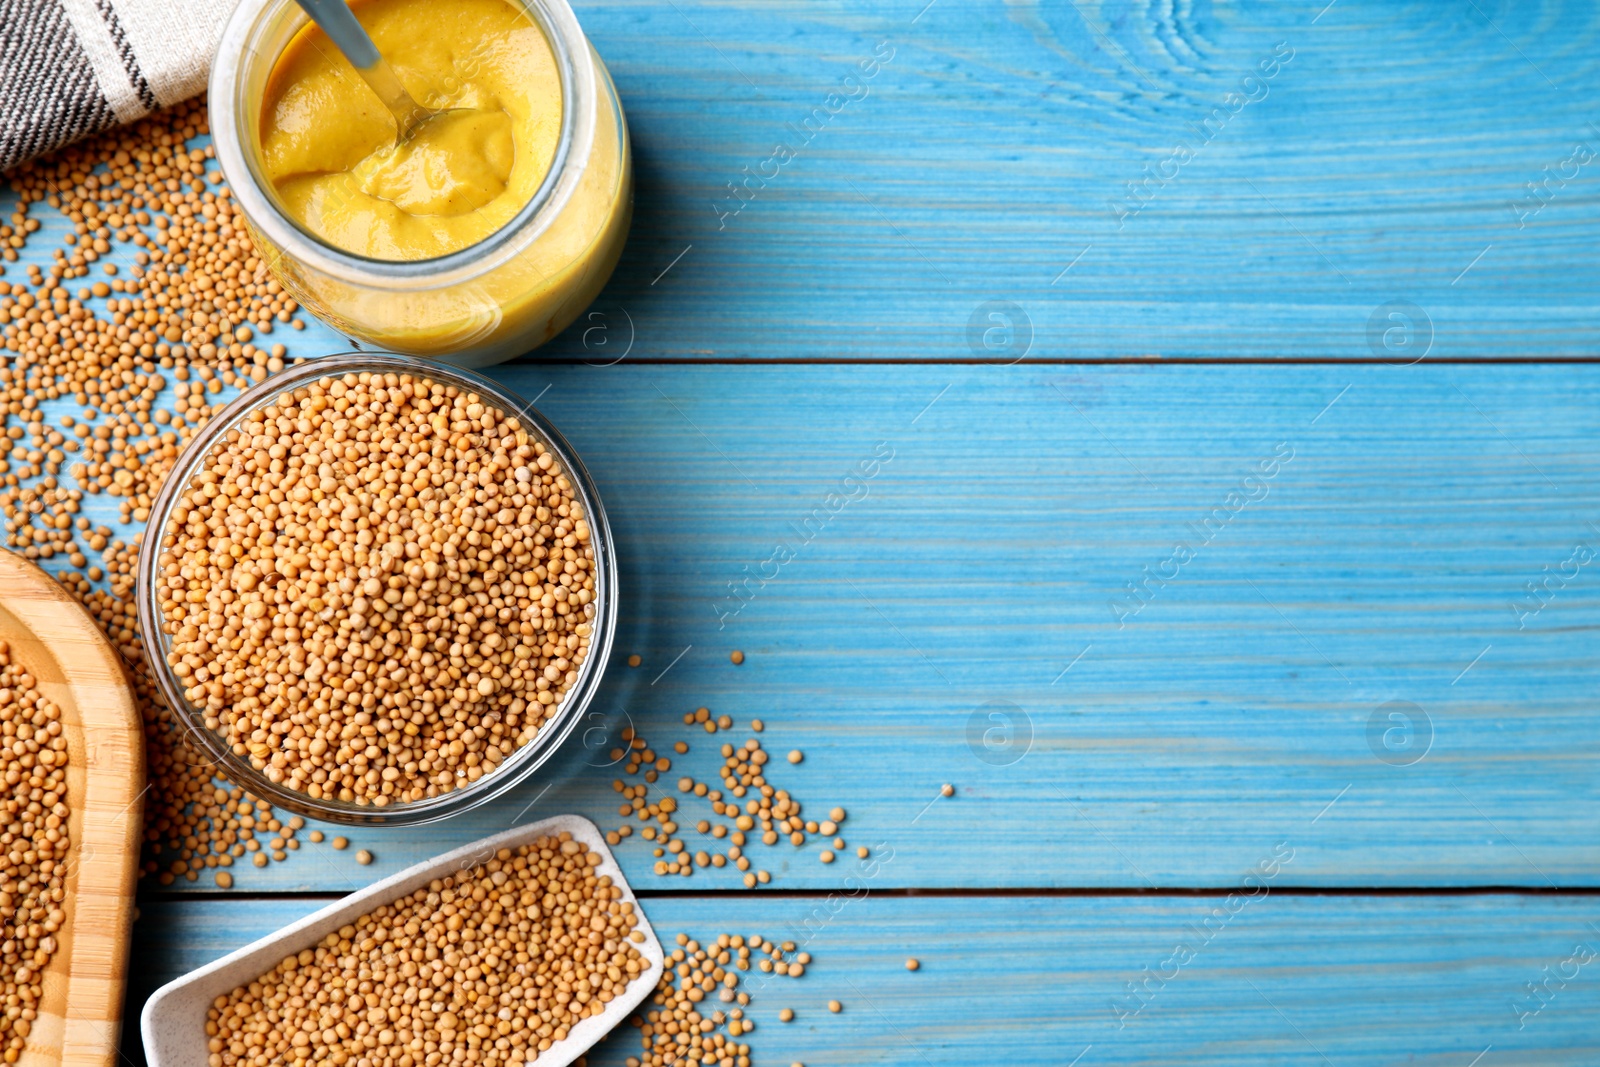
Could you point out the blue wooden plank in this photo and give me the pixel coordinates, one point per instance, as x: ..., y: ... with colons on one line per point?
x: 1282, y: 980
x: 1001, y: 541
x: 989, y: 159
x: 1388, y: 157
x: 983, y: 570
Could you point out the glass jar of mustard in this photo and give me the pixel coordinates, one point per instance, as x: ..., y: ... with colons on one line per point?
x: 405, y: 250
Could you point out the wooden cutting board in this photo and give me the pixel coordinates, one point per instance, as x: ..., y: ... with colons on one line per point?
x: 76, y: 667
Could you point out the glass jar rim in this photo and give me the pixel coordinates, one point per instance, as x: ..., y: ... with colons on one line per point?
x: 512, y: 770
x: 231, y: 117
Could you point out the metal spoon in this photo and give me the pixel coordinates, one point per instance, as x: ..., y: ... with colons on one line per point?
x: 350, y: 37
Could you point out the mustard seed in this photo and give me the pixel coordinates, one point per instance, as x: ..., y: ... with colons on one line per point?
x: 634, y: 660
x: 363, y: 857
x: 341, y: 843
x: 407, y: 524
x: 835, y: 1007
x: 33, y: 865
x: 947, y: 790
x: 825, y: 856
x: 224, y: 880
x: 316, y: 837
x: 736, y: 656
x: 796, y: 756
x: 679, y: 1029
x: 754, y: 806
x: 507, y: 925
x: 129, y: 367
x: 912, y: 964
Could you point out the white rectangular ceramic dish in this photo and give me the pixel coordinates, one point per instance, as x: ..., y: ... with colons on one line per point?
x: 174, y: 1018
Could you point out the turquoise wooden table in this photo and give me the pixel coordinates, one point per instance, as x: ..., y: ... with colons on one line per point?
x: 1227, y: 375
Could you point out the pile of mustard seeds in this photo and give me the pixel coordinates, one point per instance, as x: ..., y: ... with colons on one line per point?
x: 33, y: 862
x: 195, y: 820
x: 490, y: 966
x: 751, y: 805
x: 132, y: 359
x: 377, y: 587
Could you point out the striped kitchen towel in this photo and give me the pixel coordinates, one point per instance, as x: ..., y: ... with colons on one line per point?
x: 69, y: 68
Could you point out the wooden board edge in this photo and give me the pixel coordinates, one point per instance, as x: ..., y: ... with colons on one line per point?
x: 105, y: 827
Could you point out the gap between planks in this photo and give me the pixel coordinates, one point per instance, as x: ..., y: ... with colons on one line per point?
x: 532, y: 360
x: 964, y: 892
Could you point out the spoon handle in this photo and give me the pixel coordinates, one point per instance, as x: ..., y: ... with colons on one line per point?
x: 351, y: 38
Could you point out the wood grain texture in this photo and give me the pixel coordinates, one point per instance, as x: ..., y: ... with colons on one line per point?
x: 1289, y: 981
x: 1382, y: 563
x: 1392, y: 153
x: 1389, y: 159
x: 1241, y: 709
x: 76, y: 668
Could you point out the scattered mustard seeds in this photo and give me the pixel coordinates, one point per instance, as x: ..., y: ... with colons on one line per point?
x: 146, y: 355
x: 489, y: 966
x: 679, y: 1030
x: 768, y: 813
x: 377, y: 588
x: 197, y: 295
x: 33, y: 864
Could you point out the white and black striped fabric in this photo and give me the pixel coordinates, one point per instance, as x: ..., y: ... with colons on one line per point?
x: 69, y: 68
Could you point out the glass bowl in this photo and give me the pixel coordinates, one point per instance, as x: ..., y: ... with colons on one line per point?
x: 512, y: 769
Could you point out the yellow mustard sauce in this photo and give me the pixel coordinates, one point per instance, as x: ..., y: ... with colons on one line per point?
x: 328, y: 144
